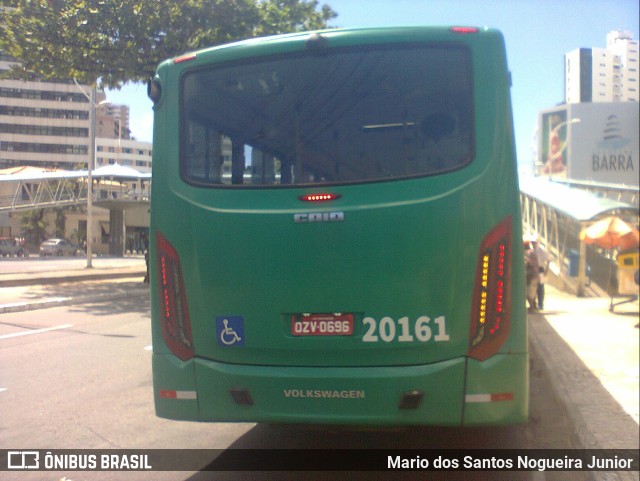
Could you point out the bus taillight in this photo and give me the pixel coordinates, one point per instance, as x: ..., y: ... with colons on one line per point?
x: 323, y: 197
x: 491, y: 309
x: 464, y: 29
x: 174, y: 313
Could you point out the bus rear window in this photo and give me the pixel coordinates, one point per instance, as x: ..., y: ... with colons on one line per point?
x: 343, y: 116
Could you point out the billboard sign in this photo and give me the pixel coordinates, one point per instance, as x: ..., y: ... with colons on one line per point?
x: 598, y: 142
x: 553, y: 143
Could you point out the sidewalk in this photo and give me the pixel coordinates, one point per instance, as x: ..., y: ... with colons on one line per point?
x: 28, y: 273
x: 38, y: 285
x: 590, y: 354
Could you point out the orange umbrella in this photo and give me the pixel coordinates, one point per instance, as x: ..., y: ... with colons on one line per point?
x: 610, y: 233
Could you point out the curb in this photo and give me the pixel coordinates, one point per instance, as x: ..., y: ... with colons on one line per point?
x: 68, y: 301
x: 58, y: 278
x: 598, y: 421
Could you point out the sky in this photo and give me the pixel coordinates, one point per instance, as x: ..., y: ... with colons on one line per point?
x: 537, y: 34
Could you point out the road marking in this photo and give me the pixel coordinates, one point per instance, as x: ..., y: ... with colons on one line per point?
x: 36, y: 331
x: 3, y: 389
x: 148, y: 348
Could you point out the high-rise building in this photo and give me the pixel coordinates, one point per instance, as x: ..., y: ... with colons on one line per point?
x: 42, y: 123
x: 603, y: 74
x: 112, y: 122
x: 46, y: 124
x: 621, y: 43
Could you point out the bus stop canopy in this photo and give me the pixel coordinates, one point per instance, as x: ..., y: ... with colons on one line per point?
x: 33, y: 175
x: 120, y: 172
x: 574, y: 203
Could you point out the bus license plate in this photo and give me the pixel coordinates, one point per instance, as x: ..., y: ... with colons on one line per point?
x: 322, y: 325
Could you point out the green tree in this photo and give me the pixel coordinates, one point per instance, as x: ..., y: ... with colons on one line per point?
x: 117, y: 41
x: 60, y: 221
x: 34, y: 226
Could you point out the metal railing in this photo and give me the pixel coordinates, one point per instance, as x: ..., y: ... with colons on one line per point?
x: 572, y: 263
x: 28, y: 194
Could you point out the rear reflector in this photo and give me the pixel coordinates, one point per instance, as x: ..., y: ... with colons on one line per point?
x: 174, y: 313
x: 490, y: 314
x: 489, y: 398
x: 171, y: 394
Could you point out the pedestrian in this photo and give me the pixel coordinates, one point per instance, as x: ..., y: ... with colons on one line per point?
x: 532, y: 270
x: 146, y: 260
x: 543, y: 266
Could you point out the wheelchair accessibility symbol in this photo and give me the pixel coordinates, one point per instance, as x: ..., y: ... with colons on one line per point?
x: 230, y: 330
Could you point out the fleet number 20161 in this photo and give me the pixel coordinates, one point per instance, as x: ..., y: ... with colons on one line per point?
x: 388, y: 329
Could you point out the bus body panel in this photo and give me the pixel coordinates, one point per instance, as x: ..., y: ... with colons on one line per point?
x: 385, y: 273
x: 400, y: 257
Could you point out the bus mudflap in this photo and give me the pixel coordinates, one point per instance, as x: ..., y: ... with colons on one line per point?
x: 174, y: 386
x: 497, y: 392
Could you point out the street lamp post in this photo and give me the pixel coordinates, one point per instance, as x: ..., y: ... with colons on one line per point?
x: 93, y: 110
x: 582, y: 262
x: 93, y: 113
x: 582, y: 259
x: 557, y: 128
x: 90, y: 164
x: 582, y: 267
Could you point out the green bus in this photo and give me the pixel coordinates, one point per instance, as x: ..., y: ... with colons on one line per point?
x: 335, y: 231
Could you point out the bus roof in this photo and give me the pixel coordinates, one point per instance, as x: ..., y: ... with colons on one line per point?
x: 340, y: 35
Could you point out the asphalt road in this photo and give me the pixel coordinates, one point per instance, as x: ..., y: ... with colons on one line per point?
x: 80, y: 377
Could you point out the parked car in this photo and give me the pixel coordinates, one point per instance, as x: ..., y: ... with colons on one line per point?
x: 11, y: 247
x: 58, y: 247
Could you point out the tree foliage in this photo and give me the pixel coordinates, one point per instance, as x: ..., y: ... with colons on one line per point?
x: 34, y: 226
x: 117, y: 41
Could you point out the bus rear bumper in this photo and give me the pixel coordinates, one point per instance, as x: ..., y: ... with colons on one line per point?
x: 430, y: 394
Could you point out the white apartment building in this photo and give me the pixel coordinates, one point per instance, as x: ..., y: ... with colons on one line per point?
x: 621, y: 43
x: 114, y: 144
x: 46, y: 124
x: 603, y: 74
x: 113, y: 121
x: 126, y: 152
x: 43, y: 124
